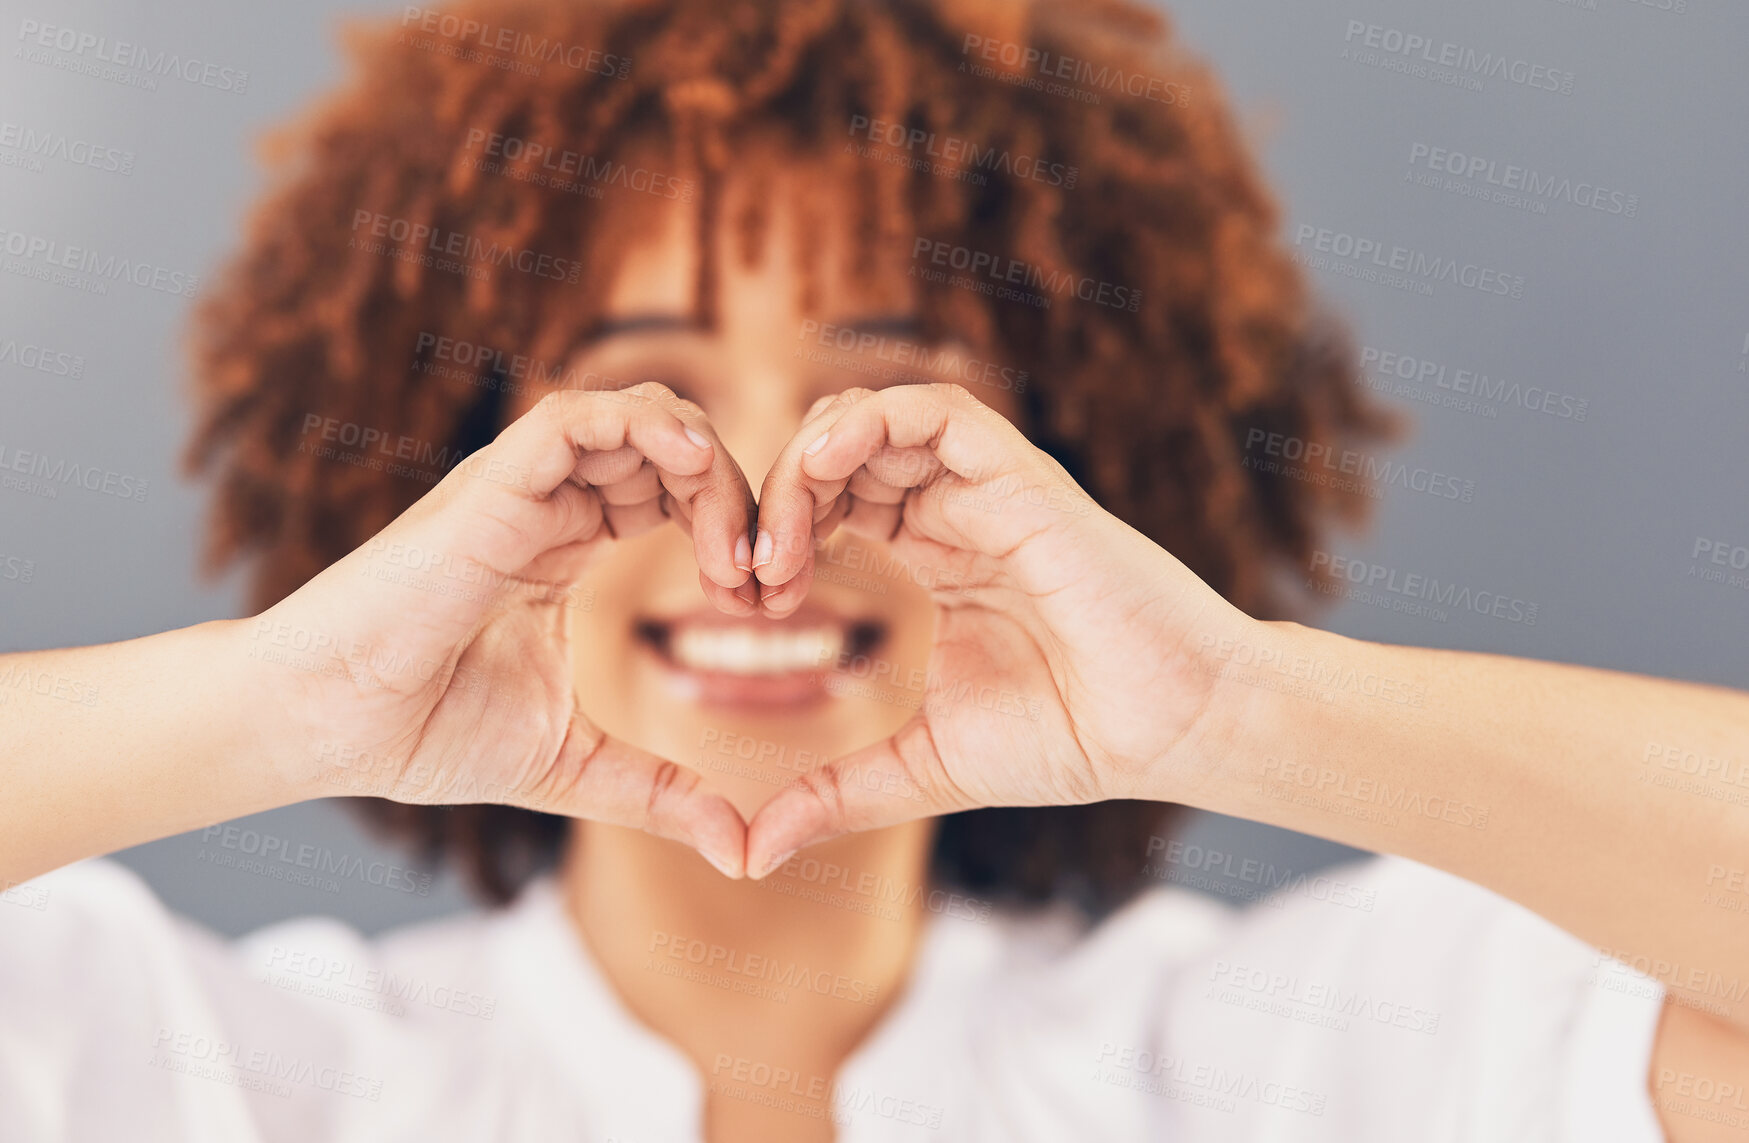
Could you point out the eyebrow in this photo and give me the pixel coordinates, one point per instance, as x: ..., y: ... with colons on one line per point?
x: 605, y: 328
x: 899, y: 325
x: 895, y: 324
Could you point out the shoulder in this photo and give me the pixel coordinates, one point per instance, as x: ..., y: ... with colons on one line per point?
x: 306, y: 1026
x: 1365, y: 1001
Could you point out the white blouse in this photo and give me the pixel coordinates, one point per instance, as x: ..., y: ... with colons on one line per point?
x: 1409, y: 1006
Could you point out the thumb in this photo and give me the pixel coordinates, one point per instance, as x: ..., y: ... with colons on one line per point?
x: 898, y: 780
x: 600, y: 778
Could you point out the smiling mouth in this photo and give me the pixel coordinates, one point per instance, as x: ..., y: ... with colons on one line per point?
x: 723, y: 661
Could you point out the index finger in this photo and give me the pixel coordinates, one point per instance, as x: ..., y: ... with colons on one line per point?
x: 524, y: 470
x: 791, y: 503
x: 885, y: 444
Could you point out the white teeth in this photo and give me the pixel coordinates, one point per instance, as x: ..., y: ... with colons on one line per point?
x: 756, y: 651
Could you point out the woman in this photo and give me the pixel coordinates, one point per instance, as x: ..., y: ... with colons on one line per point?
x: 794, y: 279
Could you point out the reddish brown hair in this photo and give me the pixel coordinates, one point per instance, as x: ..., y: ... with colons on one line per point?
x: 1149, y: 408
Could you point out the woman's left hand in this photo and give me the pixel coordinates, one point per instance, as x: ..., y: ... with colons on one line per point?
x: 1066, y: 664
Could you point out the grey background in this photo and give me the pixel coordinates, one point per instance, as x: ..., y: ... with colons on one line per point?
x: 1646, y: 318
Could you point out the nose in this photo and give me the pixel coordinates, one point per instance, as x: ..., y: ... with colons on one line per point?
x: 762, y: 421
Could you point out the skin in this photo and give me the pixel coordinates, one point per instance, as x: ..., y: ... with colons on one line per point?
x: 628, y: 889
x: 1071, y: 616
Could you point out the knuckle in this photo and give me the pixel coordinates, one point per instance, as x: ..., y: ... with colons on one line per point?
x: 654, y: 390
x: 561, y: 782
x: 925, y: 767
x: 683, y: 406
x: 667, y: 785
x: 827, y: 787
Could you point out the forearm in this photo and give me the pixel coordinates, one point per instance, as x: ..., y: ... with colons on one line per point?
x: 110, y: 746
x: 1538, y: 780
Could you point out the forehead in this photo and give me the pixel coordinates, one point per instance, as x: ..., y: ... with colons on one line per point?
x: 784, y: 245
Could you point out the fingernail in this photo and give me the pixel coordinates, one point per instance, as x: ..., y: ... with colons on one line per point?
x: 698, y: 438
x: 762, y: 550
x: 743, y: 555
x: 819, y: 443
x: 722, y: 867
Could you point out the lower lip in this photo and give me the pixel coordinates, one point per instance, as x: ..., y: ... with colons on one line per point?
x: 791, y: 690
x: 796, y: 690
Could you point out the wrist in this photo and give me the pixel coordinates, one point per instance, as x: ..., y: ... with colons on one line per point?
x: 254, y: 728
x: 1261, y: 689
x: 1301, y: 713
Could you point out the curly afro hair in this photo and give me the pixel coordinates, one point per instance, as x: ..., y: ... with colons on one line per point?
x: 1151, y: 192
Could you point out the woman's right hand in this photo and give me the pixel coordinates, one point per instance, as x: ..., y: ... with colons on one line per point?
x: 434, y: 664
